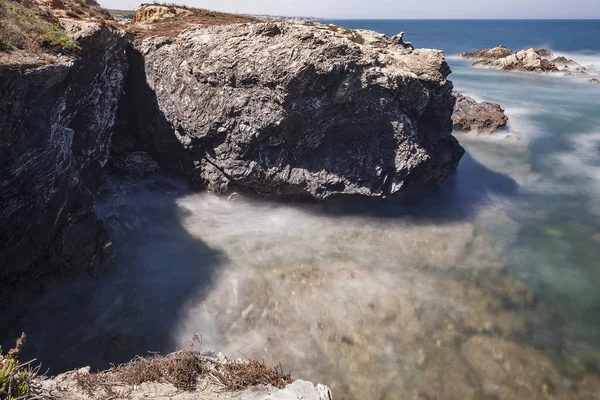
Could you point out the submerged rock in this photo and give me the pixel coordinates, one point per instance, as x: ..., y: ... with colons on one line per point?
x: 471, y: 115
x: 594, y: 80
x: 292, y: 109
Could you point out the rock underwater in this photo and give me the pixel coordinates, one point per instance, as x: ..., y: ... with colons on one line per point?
x: 291, y: 109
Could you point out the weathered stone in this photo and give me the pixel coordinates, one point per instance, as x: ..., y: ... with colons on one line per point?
x: 471, y: 115
x: 55, y: 127
x: 291, y: 109
x: 491, y: 54
x: 135, y: 165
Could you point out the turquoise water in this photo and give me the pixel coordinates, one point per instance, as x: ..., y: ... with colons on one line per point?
x: 371, y: 298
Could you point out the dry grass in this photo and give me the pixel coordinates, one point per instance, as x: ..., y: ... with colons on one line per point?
x: 173, y: 26
x: 183, y: 369
x: 240, y: 376
x: 33, y: 25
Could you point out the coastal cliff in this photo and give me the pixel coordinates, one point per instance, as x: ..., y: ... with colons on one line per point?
x: 281, y: 109
x: 55, y: 126
x: 292, y: 109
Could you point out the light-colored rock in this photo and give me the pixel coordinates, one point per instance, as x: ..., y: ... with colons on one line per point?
x: 298, y: 390
x: 525, y: 60
x: 291, y: 109
x: 491, y: 54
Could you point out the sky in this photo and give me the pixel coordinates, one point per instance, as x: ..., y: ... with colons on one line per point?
x: 394, y: 9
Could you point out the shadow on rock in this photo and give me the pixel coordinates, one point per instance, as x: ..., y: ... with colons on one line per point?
x: 458, y: 198
x: 133, y: 310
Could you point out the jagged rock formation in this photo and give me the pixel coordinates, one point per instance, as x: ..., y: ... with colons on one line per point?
x: 528, y: 60
x: 471, y: 115
x: 294, y: 109
x: 489, y: 54
x: 525, y: 60
x: 55, y: 127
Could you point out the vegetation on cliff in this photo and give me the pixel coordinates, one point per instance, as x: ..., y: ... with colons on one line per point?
x: 15, y: 377
x: 32, y: 25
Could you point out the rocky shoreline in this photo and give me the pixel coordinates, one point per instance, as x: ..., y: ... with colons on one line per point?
x: 289, y: 109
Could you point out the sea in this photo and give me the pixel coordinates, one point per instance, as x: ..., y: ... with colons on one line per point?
x: 488, y: 287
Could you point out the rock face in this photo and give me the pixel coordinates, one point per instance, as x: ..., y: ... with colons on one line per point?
x: 471, y: 115
x: 294, y: 109
x: 55, y: 127
x: 525, y: 60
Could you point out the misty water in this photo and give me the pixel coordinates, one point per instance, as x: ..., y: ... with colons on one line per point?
x: 368, y: 297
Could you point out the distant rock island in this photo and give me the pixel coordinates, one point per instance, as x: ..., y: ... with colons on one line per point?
x: 528, y: 60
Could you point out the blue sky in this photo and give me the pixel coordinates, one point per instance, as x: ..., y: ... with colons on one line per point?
x: 396, y: 8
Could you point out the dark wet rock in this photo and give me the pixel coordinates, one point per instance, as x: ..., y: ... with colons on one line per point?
x: 134, y: 165
x: 303, y: 111
x: 471, y: 115
x: 164, y: 187
x: 490, y: 54
x: 55, y: 127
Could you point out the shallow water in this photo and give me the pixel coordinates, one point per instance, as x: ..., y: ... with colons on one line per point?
x: 376, y: 299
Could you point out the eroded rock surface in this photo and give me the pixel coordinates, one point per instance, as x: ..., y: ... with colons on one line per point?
x: 471, y: 115
x: 296, y: 109
x: 55, y: 127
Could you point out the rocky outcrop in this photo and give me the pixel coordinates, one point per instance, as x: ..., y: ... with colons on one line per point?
x: 55, y: 127
x: 292, y: 109
x: 471, y: 115
x: 488, y: 54
x: 594, y: 80
x: 525, y: 60
x: 528, y: 60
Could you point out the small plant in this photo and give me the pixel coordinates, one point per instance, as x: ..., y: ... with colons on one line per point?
x: 355, y: 36
x: 14, y: 377
x: 56, y: 36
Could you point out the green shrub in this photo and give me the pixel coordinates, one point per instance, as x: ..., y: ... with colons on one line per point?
x: 56, y: 36
x: 14, y: 377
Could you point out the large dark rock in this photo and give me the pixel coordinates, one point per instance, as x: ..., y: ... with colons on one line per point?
x: 293, y: 109
x: 55, y: 126
x: 482, y: 117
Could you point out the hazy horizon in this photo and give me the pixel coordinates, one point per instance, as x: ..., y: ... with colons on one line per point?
x: 388, y: 9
